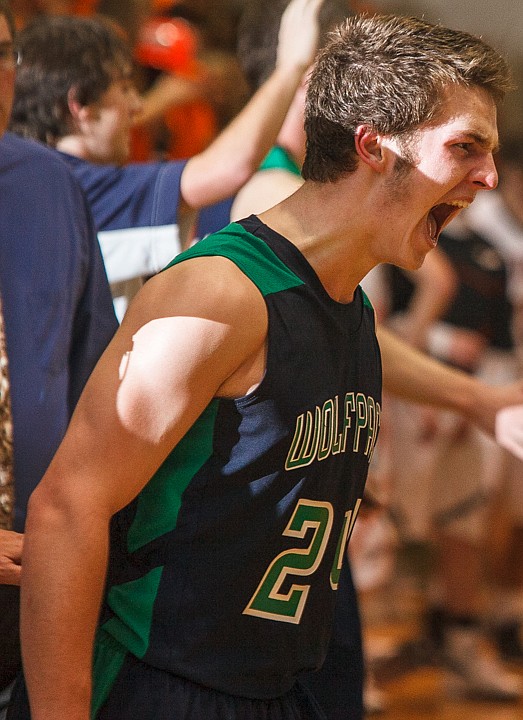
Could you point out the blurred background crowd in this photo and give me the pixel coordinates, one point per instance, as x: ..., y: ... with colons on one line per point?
x: 203, y: 37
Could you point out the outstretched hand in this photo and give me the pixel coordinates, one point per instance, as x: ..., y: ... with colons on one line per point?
x: 498, y: 410
x: 10, y: 557
x: 509, y: 429
x: 299, y: 34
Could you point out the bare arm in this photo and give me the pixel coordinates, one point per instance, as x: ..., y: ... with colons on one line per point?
x: 435, y: 287
x: 173, y: 353
x: 264, y: 190
x: 414, y: 376
x: 235, y: 155
x: 10, y: 557
x: 168, y: 91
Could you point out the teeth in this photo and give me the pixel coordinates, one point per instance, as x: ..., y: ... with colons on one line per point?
x: 432, y: 227
x: 459, y: 203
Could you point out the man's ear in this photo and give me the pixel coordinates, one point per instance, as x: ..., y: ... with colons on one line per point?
x: 368, y: 145
x: 79, y: 113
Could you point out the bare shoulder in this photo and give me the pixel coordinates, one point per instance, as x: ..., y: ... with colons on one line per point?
x: 207, y: 308
x: 212, y: 288
x: 264, y: 190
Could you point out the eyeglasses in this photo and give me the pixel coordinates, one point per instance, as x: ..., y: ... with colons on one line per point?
x: 10, y: 57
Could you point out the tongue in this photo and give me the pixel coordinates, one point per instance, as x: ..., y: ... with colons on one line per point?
x: 432, y: 226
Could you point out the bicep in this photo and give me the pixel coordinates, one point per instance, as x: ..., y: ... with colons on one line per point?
x: 163, y: 367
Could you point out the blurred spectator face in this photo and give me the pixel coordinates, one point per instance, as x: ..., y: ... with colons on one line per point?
x: 107, y: 123
x: 7, y: 73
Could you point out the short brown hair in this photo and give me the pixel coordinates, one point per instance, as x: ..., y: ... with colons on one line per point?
x: 61, y: 53
x: 388, y: 72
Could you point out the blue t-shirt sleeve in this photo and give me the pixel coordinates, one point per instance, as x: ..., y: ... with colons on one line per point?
x: 168, y: 193
x: 132, y: 196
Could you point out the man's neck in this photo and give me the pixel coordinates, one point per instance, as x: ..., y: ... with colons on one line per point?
x: 330, y: 231
x: 73, y: 145
x: 77, y: 146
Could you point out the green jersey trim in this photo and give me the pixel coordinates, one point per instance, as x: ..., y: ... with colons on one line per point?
x: 159, y: 502
x: 109, y: 657
x: 366, y: 300
x: 157, y: 510
x: 279, y: 159
x: 253, y: 256
x: 132, y: 624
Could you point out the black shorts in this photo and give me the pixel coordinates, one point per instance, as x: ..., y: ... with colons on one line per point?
x: 141, y: 692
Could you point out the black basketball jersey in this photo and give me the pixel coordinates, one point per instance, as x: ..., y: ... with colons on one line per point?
x: 224, y: 569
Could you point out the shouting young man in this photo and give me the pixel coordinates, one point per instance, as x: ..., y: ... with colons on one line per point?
x: 190, y: 530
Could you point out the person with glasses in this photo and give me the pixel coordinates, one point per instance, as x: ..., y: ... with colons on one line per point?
x: 58, y: 317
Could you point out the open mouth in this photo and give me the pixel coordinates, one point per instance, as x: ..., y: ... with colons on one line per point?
x: 440, y: 216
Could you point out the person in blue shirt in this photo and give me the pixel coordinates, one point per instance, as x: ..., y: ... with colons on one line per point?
x: 74, y: 91
x: 58, y: 318
x: 57, y: 305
